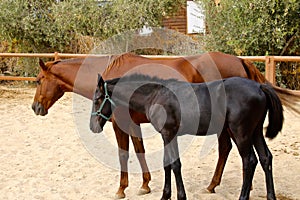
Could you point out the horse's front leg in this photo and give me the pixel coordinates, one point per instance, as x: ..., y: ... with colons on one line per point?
x: 123, y: 144
x: 137, y: 140
x: 172, y: 161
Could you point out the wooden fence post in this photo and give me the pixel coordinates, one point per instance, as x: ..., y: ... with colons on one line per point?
x: 56, y: 56
x: 270, y: 69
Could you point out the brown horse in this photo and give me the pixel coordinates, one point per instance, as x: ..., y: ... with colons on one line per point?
x: 71, y: 75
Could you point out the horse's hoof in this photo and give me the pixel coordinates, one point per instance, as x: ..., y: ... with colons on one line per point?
x: 209, y: 190
x: 143, y: 191
x: 120, y: 195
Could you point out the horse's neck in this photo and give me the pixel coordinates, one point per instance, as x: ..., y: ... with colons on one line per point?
x: 66, y: 74
x: 81, y: 77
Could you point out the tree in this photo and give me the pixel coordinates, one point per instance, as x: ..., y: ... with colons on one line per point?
x: 73, y: 26
x: 51, y: 25
x: 256, y: 27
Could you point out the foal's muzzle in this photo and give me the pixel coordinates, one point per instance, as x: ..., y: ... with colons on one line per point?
x: 95, y: 126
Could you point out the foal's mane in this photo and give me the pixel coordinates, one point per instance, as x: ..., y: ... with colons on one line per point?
x: 148, y: 85
x: 142, y: 78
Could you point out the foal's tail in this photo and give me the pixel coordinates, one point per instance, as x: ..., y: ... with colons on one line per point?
x: 275, y: 111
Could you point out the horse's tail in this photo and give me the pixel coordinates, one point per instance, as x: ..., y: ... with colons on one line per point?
x: 275, y: 111
x: 289, y: 98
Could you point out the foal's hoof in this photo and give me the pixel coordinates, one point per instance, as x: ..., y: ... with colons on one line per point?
x: 143, y: 191
x: 120, y: 195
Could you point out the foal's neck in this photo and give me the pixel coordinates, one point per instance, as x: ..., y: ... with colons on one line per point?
x: 135, y: 96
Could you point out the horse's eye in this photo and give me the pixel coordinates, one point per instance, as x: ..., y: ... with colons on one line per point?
x: 38, y: 82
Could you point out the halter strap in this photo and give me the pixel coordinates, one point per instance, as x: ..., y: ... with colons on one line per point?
x: 106, y: 98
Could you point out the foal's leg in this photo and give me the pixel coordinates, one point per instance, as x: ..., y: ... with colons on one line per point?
x: 136, y: 137
x: 224, y: 149
x: 167, y: 187
x: 123, y: 144
x: 265, y: 158
x: 249, y: 164
x: 172, y: 161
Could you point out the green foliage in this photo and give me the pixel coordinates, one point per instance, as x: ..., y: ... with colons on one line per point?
x: 48, y: 25
x: 256, y: 27
x: 70, y: 26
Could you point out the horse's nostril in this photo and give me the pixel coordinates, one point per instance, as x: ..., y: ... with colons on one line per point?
x: 32, y: 106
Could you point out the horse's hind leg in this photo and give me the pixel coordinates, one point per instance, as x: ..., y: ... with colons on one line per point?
x: 265, y: 158
x: 123, y: 144
x: 224, y: 149
x: 136, y: 137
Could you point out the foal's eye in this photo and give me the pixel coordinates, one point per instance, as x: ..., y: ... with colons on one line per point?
x: 96, y: 100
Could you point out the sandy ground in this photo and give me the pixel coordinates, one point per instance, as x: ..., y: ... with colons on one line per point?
x: 44, y: 158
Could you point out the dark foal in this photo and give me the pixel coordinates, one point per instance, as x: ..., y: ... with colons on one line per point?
x: 233, y: 108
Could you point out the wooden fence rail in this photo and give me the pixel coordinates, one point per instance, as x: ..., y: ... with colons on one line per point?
x: 270, y: 62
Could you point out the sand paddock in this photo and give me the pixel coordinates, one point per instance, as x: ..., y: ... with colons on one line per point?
x: 44, y: 158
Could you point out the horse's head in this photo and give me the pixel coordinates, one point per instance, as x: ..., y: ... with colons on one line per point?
x: 102, y: 106
x: 48, y: 89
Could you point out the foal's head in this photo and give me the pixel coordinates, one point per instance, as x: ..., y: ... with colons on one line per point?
x: 48, y: 89
x: 102, y: 106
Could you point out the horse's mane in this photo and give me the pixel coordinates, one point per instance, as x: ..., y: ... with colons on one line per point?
x: 72, y: 60
x: 119, y: 60
x: 68, y: 61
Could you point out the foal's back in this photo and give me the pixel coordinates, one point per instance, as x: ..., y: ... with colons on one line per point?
x: 204, y: 109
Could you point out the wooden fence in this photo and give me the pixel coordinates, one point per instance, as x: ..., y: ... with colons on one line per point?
x: 270, y: 62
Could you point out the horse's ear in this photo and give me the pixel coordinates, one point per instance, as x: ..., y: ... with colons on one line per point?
x: 100, y: 80
x: 42, y: 65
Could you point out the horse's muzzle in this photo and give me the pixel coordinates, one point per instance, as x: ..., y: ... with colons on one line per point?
x: 39, y: 109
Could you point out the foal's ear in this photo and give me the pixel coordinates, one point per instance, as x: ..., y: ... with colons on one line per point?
x: 42, y: 65
x: 100, y: 80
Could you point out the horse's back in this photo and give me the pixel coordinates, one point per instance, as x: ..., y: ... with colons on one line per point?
x: 197, y: 68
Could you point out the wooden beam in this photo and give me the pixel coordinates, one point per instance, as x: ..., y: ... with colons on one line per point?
x: 17, y: 78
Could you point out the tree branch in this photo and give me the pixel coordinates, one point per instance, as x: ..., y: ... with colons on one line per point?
x: 288, y: 43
